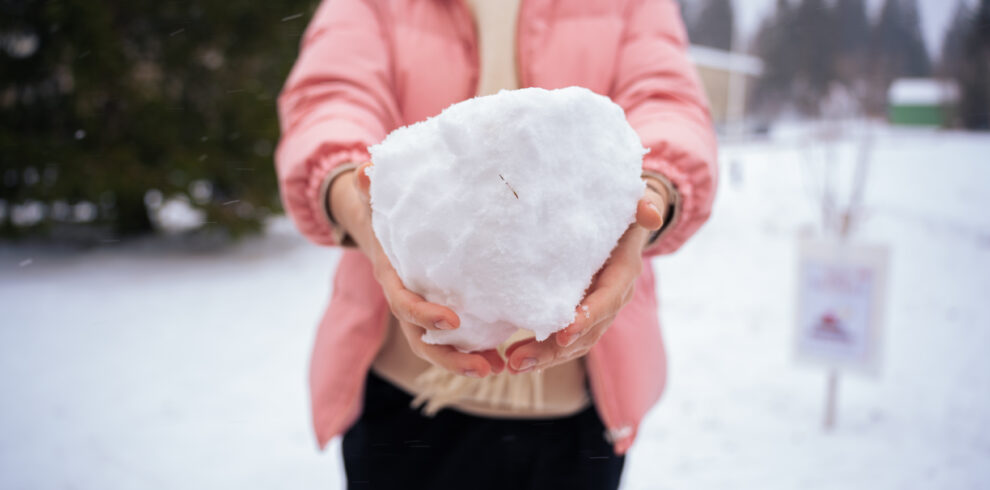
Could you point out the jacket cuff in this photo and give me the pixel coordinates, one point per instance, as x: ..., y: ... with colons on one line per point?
x: 339, y: 235
x: 311, y: 212
x: 692, y: 183
x: 673, y: 211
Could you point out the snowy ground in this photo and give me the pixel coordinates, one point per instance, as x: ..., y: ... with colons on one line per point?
x: 136, y: 366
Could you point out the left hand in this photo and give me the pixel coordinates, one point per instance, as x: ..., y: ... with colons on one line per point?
x: 611, y: 289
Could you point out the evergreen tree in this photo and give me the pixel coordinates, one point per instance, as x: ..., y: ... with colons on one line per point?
x: 772, y: 44
x: 954, y: 45
x: 814, y: 34
x: 852, y: 33
x: 101, y: 102
x: 898, y: 49
x: 798, y: 48
x: 973, y: 73
x: 714, y: 25
x: 899, y: 39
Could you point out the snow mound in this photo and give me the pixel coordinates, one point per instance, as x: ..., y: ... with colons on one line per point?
x: 503, y: 207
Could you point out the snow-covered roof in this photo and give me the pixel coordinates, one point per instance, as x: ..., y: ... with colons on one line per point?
x: 922, y: 91
x: 725, y: 60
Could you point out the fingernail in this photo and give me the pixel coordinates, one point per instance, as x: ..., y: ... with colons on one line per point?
x: 653, y: 207
x: 471, y: 373
x: 526, y: 364
x: 571, y: 338
x: 443, y: 325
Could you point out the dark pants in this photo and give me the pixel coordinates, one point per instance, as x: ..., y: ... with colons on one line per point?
x: 394, y: 446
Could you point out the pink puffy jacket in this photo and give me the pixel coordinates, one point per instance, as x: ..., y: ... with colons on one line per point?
x: 367, y: 67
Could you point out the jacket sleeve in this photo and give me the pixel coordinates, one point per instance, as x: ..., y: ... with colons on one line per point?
x: 657, y: 86
x: 338, y: 100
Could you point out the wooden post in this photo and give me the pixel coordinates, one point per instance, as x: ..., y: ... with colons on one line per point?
x: 831, y: 398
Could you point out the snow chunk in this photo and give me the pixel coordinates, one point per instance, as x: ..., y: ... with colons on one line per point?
x: 503, y: 207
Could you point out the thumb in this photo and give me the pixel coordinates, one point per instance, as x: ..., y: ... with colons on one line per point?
x: 363, y: 182
x: 648, y: 215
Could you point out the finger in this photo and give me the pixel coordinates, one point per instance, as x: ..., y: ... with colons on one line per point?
x: 648, y: 215
x: 549, y: 354
x: 494, y: 360
x: 430, y: 316
x: 602, y: 303
x: 626, y: 258
x: 582, y: 322
x: 579, y: 349
x: 624, y: 265
x: 611, y: 286
x: 577, y: 332
x: 582, y: 345
x: 467, y: 364
x: 610, y: 290
x: 474, y: 365
x: 574, y: 333
x: 363, y: 181
x: 531, y: 354
x: 515, y: 345
x: 607, y: 296
x: 413, y: 308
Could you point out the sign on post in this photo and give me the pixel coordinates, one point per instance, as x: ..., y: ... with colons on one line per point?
x: 841, y: 298
x: 841, y: 295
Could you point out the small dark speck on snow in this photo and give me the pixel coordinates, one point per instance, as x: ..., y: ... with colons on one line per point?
x: 509, y: 186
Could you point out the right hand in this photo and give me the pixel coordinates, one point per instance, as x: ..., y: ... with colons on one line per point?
x: 350, y: 202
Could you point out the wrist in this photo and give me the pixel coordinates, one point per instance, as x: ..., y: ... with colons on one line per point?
x: 344, y: 203
x: 659, y: 189
x: 337, y: 199
x: 665, y: 197
x: 348, y: 211
x: 640, y: 235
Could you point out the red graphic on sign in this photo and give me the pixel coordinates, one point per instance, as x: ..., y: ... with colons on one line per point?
x: 829, y: 327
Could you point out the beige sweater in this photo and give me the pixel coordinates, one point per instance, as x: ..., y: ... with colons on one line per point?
x: 558, y: 391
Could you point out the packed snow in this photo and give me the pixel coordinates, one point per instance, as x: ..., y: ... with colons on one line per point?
x: 139, y: 366
x: 479, y: 208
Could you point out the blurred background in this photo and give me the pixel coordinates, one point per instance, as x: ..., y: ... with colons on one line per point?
x: 157, y: 308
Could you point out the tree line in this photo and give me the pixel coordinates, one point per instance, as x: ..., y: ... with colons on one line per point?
x: 812, y: 49
x: 107, y: 108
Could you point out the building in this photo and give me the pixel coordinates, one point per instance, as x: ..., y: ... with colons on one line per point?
x: 725, y: 76
x: 921, y: 101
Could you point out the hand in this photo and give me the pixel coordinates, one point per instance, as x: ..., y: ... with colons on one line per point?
x: 611, y: 289
x: 350, y: 202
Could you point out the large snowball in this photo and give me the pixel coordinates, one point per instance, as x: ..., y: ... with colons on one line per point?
x: 503, y: 207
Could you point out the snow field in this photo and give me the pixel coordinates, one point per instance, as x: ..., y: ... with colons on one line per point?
x: 137, y: 366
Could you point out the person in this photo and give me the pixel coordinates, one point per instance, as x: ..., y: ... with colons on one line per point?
x: 367, y: 67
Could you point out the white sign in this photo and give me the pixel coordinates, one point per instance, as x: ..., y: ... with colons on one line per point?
x: 840, y: 304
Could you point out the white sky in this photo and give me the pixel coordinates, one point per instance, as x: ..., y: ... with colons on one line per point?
x: 935, y: 17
